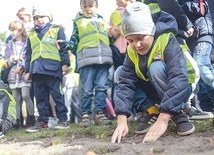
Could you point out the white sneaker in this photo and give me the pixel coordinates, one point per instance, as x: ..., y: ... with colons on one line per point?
x: 1, y: 135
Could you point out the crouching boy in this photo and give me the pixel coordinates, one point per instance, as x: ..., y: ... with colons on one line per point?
x: 156, y: 64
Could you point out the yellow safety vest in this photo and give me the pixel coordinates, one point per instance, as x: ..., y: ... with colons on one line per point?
x: 116, y: 18
x: 45, y: 48
x: 154, y: 7
x: 89, y: 35
x: 157, y: 53
x: 12, y: 105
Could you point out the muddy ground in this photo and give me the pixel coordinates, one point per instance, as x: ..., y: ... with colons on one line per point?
x: 168, y: 144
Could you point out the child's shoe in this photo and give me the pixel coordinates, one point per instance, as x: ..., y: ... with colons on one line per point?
x: 183, y: 126
x: 101, y: 119
x: 86, y: 121
x: 62, y: 125
x: 146, y: 122
x: 37, y: 127
x: 1, y: 135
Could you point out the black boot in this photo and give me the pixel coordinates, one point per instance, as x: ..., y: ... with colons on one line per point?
x: 30, y: 121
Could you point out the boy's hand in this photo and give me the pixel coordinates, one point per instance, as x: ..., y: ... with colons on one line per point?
x: 158, y: 128
x: 56, y: 44
x: 27, y: 77
x: 64, y: 69
x: 121, y: 130
x: 115, y: 31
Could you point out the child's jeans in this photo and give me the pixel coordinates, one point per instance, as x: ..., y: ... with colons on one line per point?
x: 94, y: 80
x: 158, y: 76
x: 202, y: 54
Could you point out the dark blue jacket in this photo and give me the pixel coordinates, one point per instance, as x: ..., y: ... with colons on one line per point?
x: 202, y: 23
x: 47, y: 66
x: 177, y: 80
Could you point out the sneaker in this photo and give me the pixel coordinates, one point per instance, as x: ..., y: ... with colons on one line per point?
x: 146, y: 122
x: 37, y: 127
x: 62, y: 125
x: 183, y: 126
x: 1, y: 135
x: 86, y: 121
x: 197, y: 114
x: 101, y: 119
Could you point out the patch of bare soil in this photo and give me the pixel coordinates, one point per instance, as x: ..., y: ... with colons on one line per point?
x: 168, y: 144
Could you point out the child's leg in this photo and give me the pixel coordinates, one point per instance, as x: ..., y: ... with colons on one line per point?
x: 17, y: 96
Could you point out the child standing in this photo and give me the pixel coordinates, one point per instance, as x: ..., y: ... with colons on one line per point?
x: 15, y: 57
x: 90, y: 37
x: 152, y: 64
x: 46, y: 66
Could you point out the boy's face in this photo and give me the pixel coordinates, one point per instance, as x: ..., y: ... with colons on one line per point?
x: 140, y: 43
x: 121, y: 3
x: 88, y: 7
x: 24, y: 17
x: 41, y: 20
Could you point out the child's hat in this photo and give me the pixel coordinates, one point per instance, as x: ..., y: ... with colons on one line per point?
x: 39, y: 12
x: 137, y: 19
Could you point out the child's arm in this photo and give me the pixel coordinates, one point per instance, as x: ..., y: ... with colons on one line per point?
x: 72, y: 43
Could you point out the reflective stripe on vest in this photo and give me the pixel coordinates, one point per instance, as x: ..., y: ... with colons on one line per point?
x: 157, y: 54
x: 45, y: 47
x: 116, y: 18
x: 154, y: 7
x: 190, y: 68
x: 89, y: 35
x: 12, y: 105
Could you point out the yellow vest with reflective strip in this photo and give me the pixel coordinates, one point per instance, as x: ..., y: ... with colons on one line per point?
x: 116, y: 18
x: 12, y: 104
x: 89, y: 35
x: 154, y: 7
x: 156, y: 54
x: 45, y: 48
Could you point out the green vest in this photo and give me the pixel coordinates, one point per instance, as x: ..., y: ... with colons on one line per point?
x: 45, y: 48
x: 89, y: 35
x: 157, y: 53
x: 116, y: 18
x: 12, y: 105
x: 154, y: 7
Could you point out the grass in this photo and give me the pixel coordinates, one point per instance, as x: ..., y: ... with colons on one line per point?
x: 97, y: 132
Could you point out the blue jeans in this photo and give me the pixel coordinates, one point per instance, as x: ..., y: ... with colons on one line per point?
x: 202, y: 55
x: 94, y: 80
x: 158, y: 76
x: 206, y: 96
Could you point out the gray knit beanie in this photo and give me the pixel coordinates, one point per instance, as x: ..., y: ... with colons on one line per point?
x: 137, y: 19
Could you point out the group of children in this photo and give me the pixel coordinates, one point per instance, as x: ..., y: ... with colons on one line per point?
x: 158, y: 75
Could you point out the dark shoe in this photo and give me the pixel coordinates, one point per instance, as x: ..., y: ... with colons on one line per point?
x: 101, y: 119
x: 86, y: 121
x: 146, y: 122
x: 1, y: 135
x: 62, y: 125
x: 31, y: 121
x: 183, y: 126
x: 37, y: 127
x: 197, y: 114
